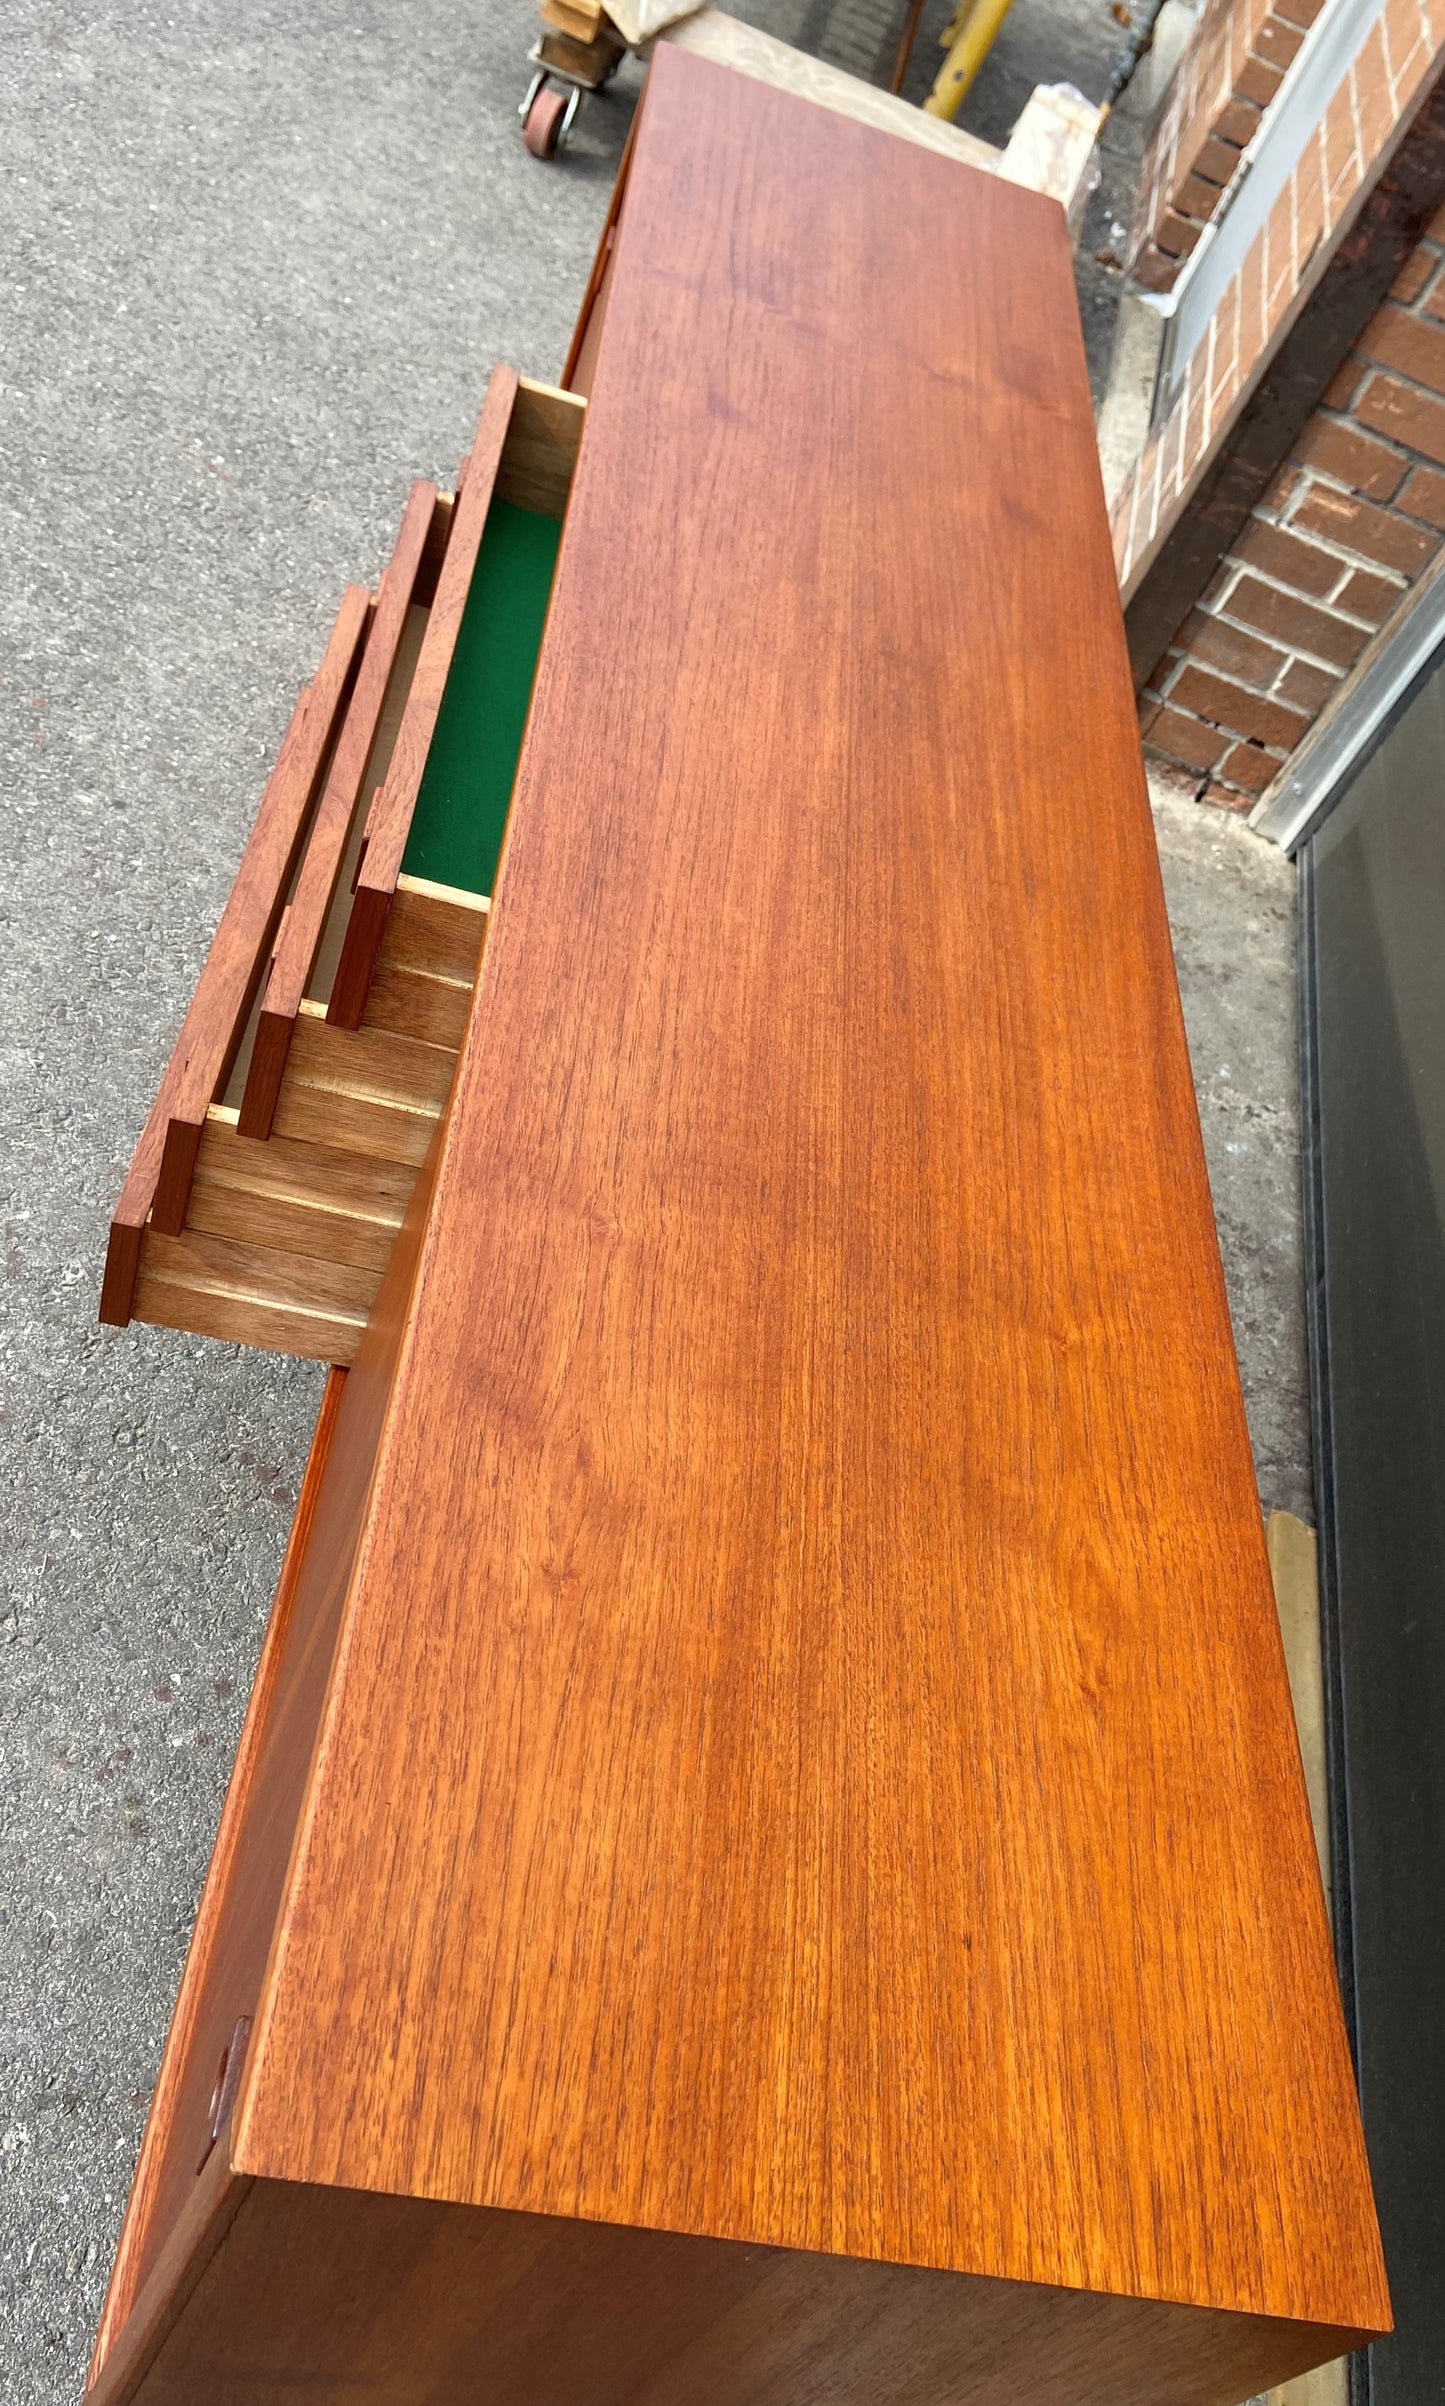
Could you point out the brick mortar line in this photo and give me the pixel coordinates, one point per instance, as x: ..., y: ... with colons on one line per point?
x: 1218, y: 773
x: 1368, y: 434
x: 1335, y: 549
x: 1166, y: 694
x: 1189, y: 116
x: 1410, y: 459
x: 1239, y: 49
x: 1237, y: 626
x: 1167, y: 700
x: 1312, y: 601
x: 1232, y: 736
x: 1387, y: 509
x: 1387, y: 367
x: 1179, y: 661
x: 1188, y: 216
x: 1351, y: 562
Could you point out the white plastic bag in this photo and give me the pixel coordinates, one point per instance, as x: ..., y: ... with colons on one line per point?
x: 638, y: 20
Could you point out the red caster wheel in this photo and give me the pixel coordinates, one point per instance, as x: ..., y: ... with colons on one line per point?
x: 547, y: 119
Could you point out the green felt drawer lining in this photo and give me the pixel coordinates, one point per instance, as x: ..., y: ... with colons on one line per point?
x: 456, y: 828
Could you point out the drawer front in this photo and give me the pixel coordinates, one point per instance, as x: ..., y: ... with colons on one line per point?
x: 330, y: 1012
x: 227, y: 1959
x: 280, y: 1190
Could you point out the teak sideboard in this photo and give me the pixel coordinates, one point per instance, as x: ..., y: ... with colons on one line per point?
x: 768, y: 1860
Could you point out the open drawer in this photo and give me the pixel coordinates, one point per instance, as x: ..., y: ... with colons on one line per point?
x: 316, y: 1056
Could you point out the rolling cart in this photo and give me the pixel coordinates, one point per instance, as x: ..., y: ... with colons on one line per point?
x: 582, y: 44
x: 578, y: 50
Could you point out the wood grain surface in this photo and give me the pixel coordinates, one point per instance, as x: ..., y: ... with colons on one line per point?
x: 364, y: 1090
x: 587, y: 333
x: 160, y: 1174
x: 246, y: 1881
x: 312, y: 1200
x: 435, y: 931
x: 134, y: 2330
x: 220, y: 1286
x: 338, y: 2296
x: 389, y: 823
x: 307, y: 910
x: 241, y: 948
x: 810, y: 1758
x: 426, y: 968
x: 286, y: 1240
x: 539, y: 455
x: 165, y: 2187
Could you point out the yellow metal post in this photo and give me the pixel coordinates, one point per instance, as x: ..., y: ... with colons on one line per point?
x: 976, y: 29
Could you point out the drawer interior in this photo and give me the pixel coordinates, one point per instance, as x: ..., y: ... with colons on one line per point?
x: 456, y: 828
x: 319, y: 1049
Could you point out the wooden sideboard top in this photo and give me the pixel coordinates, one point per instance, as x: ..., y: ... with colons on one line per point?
x: 810, y: 1757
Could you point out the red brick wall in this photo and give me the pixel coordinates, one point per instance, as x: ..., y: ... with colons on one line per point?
x: 1381, y: 87
x: 1228, y: 76
x: 1325, y: 559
